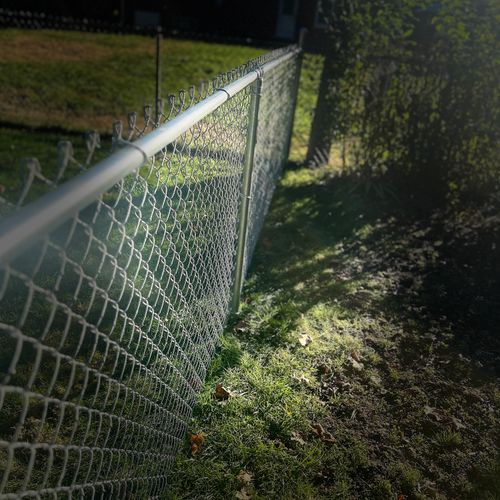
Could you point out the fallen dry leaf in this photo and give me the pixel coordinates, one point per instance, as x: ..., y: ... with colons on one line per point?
x: 221, y: 392
x: 305, y: 340
x: 243, y: 494
x: 457, y: 423
x: 355, y: 356
x: 241, y: 327
x: 327, y: 438
x: 324, y: 369
x: 317, y: 429
x: 324, y: 435
x: 356, y: 364
x: 428, y: 410
x: 195, y: 440
x: 244, y: 477
x: 295, y: 436
x: 302, y: 379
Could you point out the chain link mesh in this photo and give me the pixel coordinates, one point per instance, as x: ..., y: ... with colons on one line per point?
x: 108, y: 325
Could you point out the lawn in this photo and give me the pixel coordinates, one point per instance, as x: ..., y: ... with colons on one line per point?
x: 79, y: 81
x: 55, y: 85
x: 363, y: 362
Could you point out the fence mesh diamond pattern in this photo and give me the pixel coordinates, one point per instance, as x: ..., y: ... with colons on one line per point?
x: 109, y: 322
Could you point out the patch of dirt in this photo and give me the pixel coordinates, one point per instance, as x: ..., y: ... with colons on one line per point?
x: 427, y: 406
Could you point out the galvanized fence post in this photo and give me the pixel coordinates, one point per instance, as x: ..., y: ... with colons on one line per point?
x: 246, y: 190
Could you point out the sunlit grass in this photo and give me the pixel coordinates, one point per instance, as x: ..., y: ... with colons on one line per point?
x: 80, y: 81
x: 73, y: 82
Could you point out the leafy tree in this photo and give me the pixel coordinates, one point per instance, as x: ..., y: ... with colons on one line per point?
x: 416, y: 84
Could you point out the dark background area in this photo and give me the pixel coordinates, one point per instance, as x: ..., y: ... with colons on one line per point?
x: 258, y: 19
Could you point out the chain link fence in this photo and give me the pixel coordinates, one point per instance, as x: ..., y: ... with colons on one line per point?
x: 116, y: 281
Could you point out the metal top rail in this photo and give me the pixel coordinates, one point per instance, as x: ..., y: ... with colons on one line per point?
x: 54, y: 208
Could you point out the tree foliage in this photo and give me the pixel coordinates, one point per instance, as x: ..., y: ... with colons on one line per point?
x: 417, y: 85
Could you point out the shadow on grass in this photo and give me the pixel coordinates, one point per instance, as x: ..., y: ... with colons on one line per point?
x: 368, y: 279
x: 322, y: 239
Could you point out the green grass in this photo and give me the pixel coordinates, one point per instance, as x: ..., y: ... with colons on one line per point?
x: 388, y: 378
x: 79, y: 81
x: 56, y: 85
x: 306, y: 102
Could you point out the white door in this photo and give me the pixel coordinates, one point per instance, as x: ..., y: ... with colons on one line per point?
x: 287, y: 19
